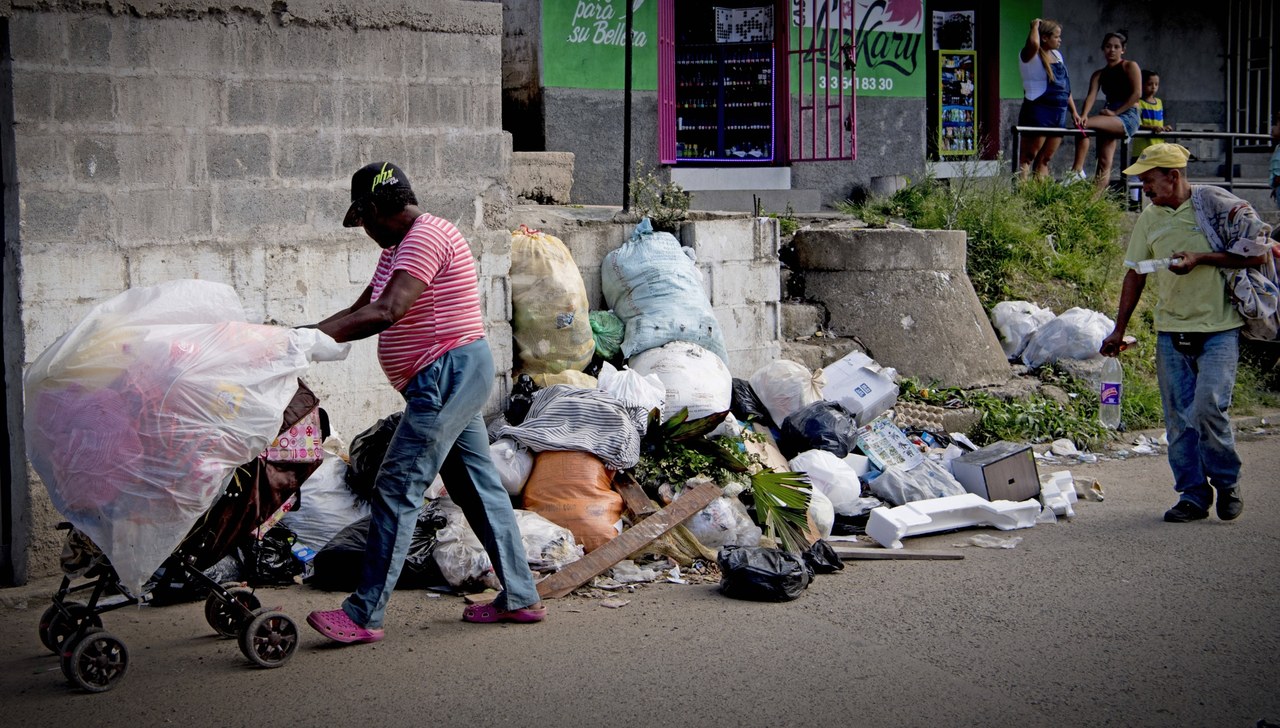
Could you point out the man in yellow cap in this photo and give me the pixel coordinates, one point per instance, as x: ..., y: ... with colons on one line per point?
x: 1197, y: 328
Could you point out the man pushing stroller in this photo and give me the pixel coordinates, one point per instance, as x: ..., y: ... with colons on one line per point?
x: 423, y: 303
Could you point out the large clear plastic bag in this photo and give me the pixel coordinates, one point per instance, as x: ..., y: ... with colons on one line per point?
x: 1076, y: 334
x: 137, y: 416
x: 1016, y: 322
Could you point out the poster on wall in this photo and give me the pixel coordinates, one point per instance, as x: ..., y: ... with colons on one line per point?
x: 584, y: 44
x: 888, y: 36
x: 953, y: 29
x: 958, y: 122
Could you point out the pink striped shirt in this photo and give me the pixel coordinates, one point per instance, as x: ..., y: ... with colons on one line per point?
x: 447, y: 314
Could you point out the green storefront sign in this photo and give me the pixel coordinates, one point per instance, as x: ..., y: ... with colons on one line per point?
x: 584, y: 44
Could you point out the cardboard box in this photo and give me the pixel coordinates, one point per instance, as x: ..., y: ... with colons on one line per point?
x: 853, y: 382
x: 1000, y: 471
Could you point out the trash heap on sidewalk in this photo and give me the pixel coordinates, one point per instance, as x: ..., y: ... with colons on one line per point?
x: 632, y: 454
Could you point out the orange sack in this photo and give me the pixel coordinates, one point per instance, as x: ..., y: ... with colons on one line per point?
x: 572, y: 489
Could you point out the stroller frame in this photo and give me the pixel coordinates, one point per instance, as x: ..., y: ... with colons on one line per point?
x: 95, y: 660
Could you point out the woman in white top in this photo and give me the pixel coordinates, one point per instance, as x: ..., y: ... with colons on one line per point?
x: 1046, y: 91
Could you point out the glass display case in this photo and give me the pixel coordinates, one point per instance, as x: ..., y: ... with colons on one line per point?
x: 724, y: 102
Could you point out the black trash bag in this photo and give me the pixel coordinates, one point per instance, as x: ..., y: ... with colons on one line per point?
x: 174, y: 584
x: 822, y: 559
x: 850, y: 525
x: 337, y: 566
x: 821, y: 425
x: 761, y: 574
x: 746, y: 405
x: 270, y: 560
x: 367, y: 450
x: 521, y: 399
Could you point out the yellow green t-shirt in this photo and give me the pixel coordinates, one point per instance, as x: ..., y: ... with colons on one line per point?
x: 1195, y: 302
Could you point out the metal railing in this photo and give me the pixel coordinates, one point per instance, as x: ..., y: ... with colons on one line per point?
x: 1261, y: 144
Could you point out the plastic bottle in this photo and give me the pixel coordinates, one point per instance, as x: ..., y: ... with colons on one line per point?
x: 1109, y: 392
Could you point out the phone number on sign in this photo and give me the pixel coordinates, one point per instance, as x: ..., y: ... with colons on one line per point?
x: 867, y: 83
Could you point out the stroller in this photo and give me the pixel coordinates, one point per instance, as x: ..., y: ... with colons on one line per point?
x: 259, y: 493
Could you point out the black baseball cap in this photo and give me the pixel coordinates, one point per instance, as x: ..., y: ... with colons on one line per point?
x: 370, y: 182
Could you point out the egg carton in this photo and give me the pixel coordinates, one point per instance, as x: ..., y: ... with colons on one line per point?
x: 920, y: 416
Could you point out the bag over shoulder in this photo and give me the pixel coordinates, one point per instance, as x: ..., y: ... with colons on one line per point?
x: 1232, y: 226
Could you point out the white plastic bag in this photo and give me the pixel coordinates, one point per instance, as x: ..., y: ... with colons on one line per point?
x: 646, y: 391
x: 693, y: 378
x: 138, y: 415
x: 1015, y: 322
x: 325, y: 507
x: 514, y: 463
x: 822, y: 512
x: 833, y: 476
x: 927, y: 480
x: 1076, y: 334
x: 785, y: 386
x: 724, y: 522
x: 463, y: 560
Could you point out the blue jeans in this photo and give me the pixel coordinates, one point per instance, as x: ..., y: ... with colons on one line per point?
x: 1195, y: 389
x: 441, y: 432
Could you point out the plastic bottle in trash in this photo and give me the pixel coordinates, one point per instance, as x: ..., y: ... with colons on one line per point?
x: 1109, y: 392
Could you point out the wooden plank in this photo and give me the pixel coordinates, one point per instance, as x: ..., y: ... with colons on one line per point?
x: 628, y: 542
x: 848, y: 553
x: 637, y: 501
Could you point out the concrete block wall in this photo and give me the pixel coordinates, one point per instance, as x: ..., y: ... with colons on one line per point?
x: 216, y: 141
x: 737, y: 255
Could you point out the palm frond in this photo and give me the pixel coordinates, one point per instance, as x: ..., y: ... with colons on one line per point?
x: 782, y: 504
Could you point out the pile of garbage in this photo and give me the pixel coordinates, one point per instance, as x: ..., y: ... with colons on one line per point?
x: 621, y: 414
x: 640, y: 395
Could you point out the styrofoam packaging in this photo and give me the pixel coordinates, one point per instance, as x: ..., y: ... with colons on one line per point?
x: 853, y: 382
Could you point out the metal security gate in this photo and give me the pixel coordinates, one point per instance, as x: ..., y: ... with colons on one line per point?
x: 1252, y: 55
x: 822, y: 60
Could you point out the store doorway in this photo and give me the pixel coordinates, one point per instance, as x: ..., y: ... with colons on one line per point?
x: 962, y: 88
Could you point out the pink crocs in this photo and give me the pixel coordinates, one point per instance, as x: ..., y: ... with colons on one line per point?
x: 488, y: 613
x: 337, y: 626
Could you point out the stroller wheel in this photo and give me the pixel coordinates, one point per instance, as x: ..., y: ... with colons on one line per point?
x: 56, y: 626
x: 96, y: 662
x: 269, y: 639
x: 227, y: 619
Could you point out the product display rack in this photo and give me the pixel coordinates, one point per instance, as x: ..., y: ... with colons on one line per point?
x: 957, y: 106
x: 724, y: 102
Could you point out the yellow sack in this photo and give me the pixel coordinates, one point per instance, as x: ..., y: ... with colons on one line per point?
x: 548, y: 305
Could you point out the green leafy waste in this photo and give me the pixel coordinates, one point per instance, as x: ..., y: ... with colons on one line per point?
x: 679, y: 449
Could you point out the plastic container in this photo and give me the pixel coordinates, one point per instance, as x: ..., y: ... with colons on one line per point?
x: 1109, y: 393
x: 853, y: 383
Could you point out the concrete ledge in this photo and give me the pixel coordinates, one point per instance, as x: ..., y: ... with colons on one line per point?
x: 877, y: 249
x: 542, y: 177
x: 905, y: 296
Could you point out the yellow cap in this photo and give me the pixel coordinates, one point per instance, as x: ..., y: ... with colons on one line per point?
x: 1169, y: 156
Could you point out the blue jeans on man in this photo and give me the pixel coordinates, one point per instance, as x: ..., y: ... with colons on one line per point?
x: 1195, y: 390
x: 442, y: 432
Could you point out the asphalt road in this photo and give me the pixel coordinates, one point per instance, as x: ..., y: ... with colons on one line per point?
x: 1113, y: 618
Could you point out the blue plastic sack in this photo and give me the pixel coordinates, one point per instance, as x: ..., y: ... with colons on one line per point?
x: 655, y: 288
